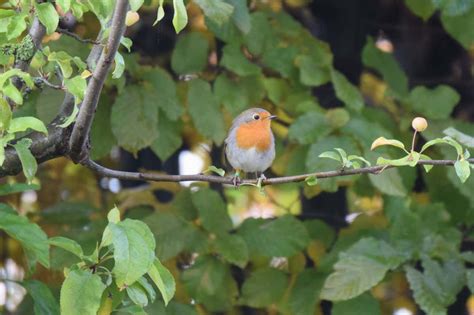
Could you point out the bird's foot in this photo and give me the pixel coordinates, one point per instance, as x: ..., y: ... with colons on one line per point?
x: 236, y: 180
x: 259, y: 182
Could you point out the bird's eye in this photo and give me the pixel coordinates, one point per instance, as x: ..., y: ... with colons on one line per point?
x: 256, y: 116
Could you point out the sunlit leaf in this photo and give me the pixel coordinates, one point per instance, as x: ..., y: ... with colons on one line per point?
x: 381, y: 141
x: 163, y: 279
x: 81, y: 293
x: 28, y: 161
x: 48, y: 16
x: 180, y: 16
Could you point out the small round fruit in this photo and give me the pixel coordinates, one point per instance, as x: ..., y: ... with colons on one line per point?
x: 131, y: 18
x: 419, y: 124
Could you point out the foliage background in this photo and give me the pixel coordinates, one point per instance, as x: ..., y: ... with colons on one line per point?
x: 338, y: 74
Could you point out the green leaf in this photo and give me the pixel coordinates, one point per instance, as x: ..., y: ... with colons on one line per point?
x: 363, y: 304
x: 437, y: 287
x: 77, y: 87
x: 162, y: 89
x: 114, y: 215
x: 237, y: 92
x: 210, y: 282
x: 281, y: 237
x: 454, y: 144
x: 119, y: 66
x: 463, y: 170
x: 71, y: 118
x: 421, y: 8
x: 330, y: 155
x: 127, y: 43
x: 33, y: 240
x: 160, y: 14
x: 24, y: 123
x: 321, y: 231
x: 163, y: 279
x: 304, y: 295
x: 8, y: 189
x: 426, y: 166
x: 216, y: 10
x: 44, y: 301
x: 234, y: 60
x: 190, y: 53
x: 381, y: 141
x: 16, y: 72
x: 346, y: 91
x: 460, y: 27
x: 232, y: 248
x: 437, y: 103
x: 173, y: 234
x: 81, y: 293
x: 389, y: 182
x: 102, y: 9
x: 134, y: 250
x: 135, y: 4
x: 137, y: 294
x: 264, y: 287
x: 453, y: 7
x: 387, y: 66
x: 360, y: 268
x: 180, y: 17
x: 460, y: 137
x: 5, y: 115
x: 359, y: 158
x: 16, y: 26
x: 65, y: 5
x: 12, y: 92
x: 311, y: 180
x: 169, y: 138
x: 432, y: 142
x: 67, y: 244
x: 240, y: 16
x: 28, y: 161
x: 313, y: 72
x: 309, y: 127
x: 398, y: 162
x: 135, y: 127
x: 212, y: 211
x: 63, y: 60
x: 337, y: 117
x: 48, y: 16
x: 470, y: 279
x: 213, y: 169
x: 204, y: 111
x: 102, y: 138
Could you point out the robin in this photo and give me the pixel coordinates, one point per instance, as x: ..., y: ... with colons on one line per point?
x: 250, y: 145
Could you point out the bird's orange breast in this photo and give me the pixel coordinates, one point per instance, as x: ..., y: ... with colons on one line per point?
x: 254, y: 134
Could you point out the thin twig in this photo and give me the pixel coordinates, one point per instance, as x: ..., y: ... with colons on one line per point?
x: 49, y: 84
x: 77, y: 37
x: 375, y: 170
x: 83, y: 123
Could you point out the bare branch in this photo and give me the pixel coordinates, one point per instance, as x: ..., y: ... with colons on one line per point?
x: 229, y: 180
x: 77, y: 37
x: 83, y: 123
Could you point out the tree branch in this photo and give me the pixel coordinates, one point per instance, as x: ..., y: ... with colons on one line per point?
x: 229, y: 180
x: 43, y: 147
x: 37, y: 32
x: 77, y: 37
x: 83, y: 123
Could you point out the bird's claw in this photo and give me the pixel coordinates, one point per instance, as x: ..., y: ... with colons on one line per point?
x: 236, y: 180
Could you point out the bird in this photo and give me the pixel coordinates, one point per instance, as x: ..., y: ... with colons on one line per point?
x: 250, y: 144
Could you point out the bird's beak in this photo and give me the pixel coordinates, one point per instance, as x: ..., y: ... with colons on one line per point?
x: 272, y: 117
